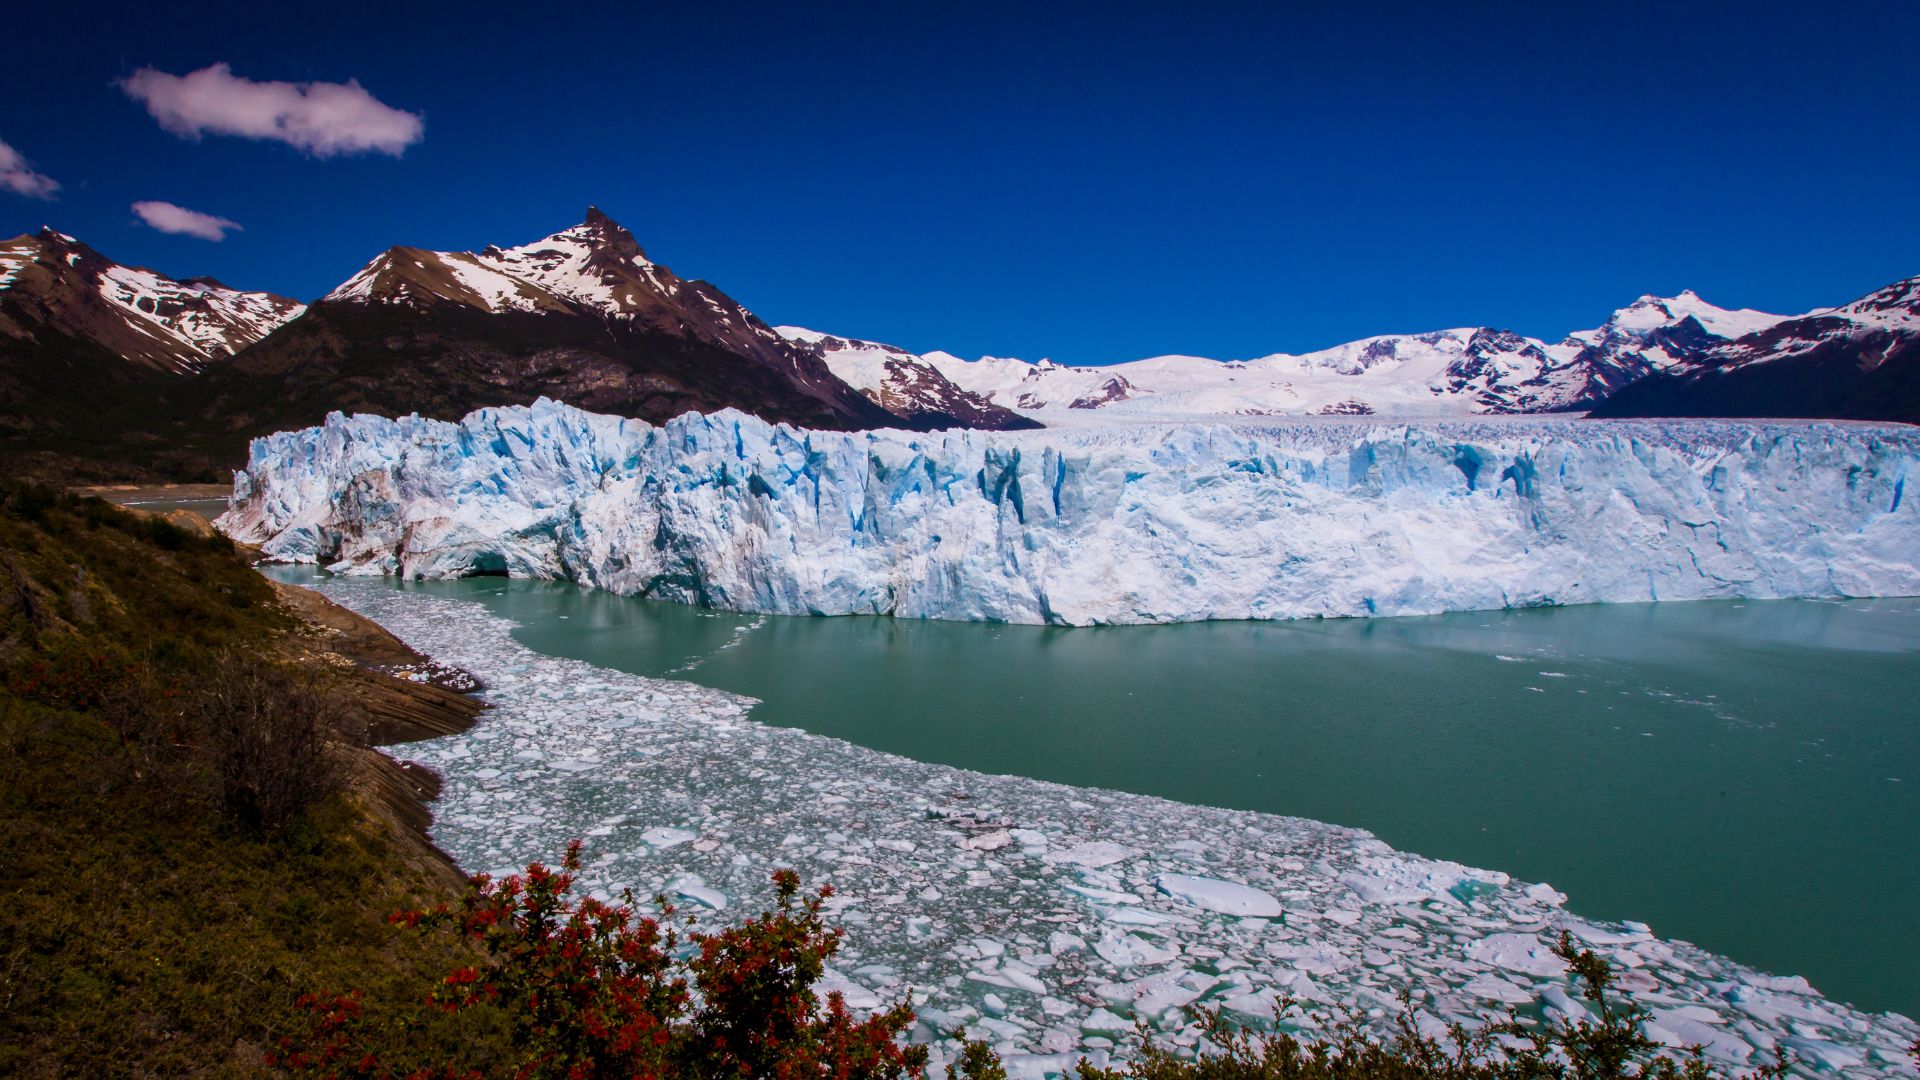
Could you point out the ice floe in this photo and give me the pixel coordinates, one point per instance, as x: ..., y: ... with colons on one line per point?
x: 1045, y: 918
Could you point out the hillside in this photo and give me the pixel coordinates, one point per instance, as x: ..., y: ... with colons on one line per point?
x: 163, y: 917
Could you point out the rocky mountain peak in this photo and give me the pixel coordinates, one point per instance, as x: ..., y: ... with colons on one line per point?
x: 1901, y: 296
x: 600, y: 230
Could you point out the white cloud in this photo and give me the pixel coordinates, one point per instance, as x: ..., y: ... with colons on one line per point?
x: 169, y: 218
x: 17, y: 176
x: 321, y: 118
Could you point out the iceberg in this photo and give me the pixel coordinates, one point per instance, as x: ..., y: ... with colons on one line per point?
x: 1100, y: 524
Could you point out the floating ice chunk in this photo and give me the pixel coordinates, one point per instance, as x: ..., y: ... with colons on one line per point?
x: 1011, y: 977
x: 1558, y: 998
x: 1129, y: 950
x: 1106, y: 1023
x: 694, y: 888
x: 856, y: 996
x: 1022, y: 977
x: 1253, y: 1004
x: 988, y: 841
x: 1049, y: 1066
x: 663, y: 836
x: 1060, y: 943
x: 1157, y: 994
x: 1094, y: 854
x: 1828, y: 1055
x: 1103, y: 896
x: 1599, y: 935
x: 1495, y: 988
x: 1517, y: 952
x: 1546, y: 894
x: 1225, y: 897
x: 1134, y: 916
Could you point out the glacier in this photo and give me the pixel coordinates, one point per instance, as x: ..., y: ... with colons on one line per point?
x: 1102, y: 524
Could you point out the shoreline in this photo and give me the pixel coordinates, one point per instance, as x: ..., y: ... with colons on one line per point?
x: 405, y: 695
x: 406, y: 698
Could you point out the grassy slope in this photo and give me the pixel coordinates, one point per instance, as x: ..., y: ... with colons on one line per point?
x: 142, y: 933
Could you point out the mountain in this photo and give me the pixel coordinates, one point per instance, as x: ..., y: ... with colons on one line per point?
x: 582, y: 315
x: 88, y: 348
x: 1860, y: 361
x: 52, y: 285
x: 116, y: 372
x: 904, y: 384
x: 1444, y: 372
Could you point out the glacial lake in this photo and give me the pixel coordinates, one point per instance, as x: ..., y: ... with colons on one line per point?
x: 1742, y: 775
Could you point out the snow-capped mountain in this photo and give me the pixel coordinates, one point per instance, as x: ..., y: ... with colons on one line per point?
x: 904, y: 384
x: 1446, y: 372
x: 594, y: 269
x: 1860, y: 361
x: 582, y: 315
x: 52, y: 285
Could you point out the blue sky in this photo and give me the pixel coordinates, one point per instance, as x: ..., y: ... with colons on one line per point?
x: 1090, y: 182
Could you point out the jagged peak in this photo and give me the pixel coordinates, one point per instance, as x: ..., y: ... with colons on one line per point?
x: 1652, y: 313
x: 597, y: 263
x: 50, y: 235
x: 599, y: 230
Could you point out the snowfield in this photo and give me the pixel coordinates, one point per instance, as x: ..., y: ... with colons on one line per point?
x: 1460, y: 372
x: 1120, y: 524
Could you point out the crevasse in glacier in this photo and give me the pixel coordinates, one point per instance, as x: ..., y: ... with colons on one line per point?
x: 1122, y: 524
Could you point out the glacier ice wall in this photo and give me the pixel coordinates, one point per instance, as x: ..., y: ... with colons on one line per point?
x: 1122, y: 524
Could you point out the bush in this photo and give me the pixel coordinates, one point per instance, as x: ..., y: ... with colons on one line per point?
x: 593, y: 991
x: 249, y: 735
x: 264, y: 731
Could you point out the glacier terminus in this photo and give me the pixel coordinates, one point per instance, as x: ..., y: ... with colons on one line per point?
x: 1101, y: 524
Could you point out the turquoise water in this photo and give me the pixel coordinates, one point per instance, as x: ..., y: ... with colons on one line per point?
x: 1745, y: 776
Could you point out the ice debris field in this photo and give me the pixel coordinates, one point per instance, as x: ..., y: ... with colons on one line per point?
x: 1045, y: 918
x: 1100, y: 525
